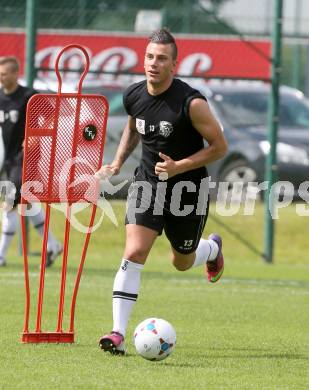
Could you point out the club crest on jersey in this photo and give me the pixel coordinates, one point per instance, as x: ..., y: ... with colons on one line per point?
x: 166, y: 128
x: 14, y: 114
x: 140, y: 125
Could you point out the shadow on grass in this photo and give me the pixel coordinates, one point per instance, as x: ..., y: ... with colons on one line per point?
x: 287, y: 356
x: 185, y: 365
x: 204, y: 358
x: 250, y: 353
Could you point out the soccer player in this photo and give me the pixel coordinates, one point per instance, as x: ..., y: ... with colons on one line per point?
x: 13, y: 102
x: 172, y: 120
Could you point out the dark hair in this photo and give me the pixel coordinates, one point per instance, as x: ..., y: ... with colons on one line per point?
x: 164, y: 36
x: 10, y: 60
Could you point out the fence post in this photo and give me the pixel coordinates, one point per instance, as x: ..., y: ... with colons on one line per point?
x: 30, y: 41
x: 273, y: 122
x: 296, y: 49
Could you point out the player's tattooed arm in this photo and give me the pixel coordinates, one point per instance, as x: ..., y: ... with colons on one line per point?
x: 128, y: 143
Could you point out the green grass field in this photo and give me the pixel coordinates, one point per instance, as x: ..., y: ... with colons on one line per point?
x: 249, y: 331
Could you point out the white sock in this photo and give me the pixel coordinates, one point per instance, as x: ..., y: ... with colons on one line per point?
x: 125, y: 293
x: 207, y: 250
x: 9, y: 228
x: 38, y: 221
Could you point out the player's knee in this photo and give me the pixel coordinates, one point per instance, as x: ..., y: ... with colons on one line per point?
x: 181, y: 267
x: 137, y: 254
x: 181, y: 264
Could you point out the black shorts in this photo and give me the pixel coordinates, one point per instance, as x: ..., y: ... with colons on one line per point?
x: 181, y: 212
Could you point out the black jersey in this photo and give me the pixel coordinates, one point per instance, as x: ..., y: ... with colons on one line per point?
x: 12, y: 121
x: 164, y: 125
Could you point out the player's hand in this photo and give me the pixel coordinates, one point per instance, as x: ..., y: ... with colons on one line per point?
x: 166, y: 169
x: 107, y: 171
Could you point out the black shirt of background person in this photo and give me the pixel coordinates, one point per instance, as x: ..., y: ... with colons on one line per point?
x: 12, y: 121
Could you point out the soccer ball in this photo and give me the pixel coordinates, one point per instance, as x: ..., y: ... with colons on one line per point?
x: 154, y: 339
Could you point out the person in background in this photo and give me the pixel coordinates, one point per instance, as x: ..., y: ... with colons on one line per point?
x: 13, y: 103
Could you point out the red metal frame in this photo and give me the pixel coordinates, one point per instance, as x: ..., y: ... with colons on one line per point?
x: 58, y: 336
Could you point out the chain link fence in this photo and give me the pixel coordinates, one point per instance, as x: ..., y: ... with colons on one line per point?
x: 187, y: 16
x: 203, y: 29
x: 225, y: 39
x: 231, y: 19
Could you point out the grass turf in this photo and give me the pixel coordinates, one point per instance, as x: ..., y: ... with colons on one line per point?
x: 249, y: 331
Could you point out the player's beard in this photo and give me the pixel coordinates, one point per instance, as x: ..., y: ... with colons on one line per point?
x: 160, y: 80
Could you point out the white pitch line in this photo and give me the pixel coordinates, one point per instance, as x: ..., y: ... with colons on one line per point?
x: 255, y: 282
x: 271, y: 282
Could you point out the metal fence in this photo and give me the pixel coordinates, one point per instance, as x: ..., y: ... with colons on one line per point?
x: 216, y: 38
x: 187, y: 16
x: 231, y: 18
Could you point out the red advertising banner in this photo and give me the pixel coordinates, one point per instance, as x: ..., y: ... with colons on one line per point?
x: 198, y: 56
